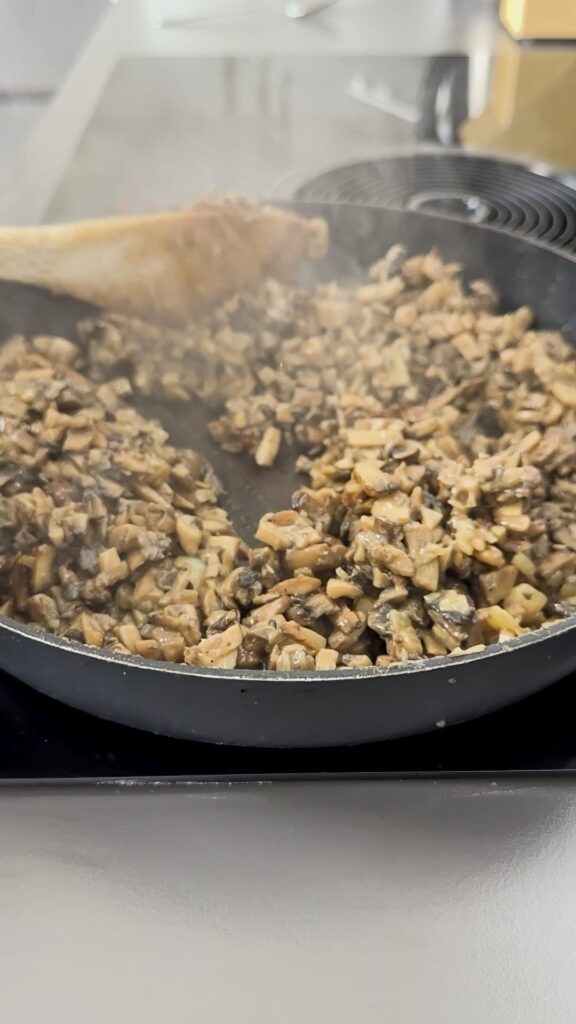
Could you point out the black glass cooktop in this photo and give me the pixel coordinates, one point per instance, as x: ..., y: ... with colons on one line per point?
x: 42, y: 739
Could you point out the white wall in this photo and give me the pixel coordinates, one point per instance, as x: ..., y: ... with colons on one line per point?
x: 40, y: 39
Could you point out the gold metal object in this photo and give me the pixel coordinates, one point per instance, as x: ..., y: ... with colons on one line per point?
x: 539, y: 19
x: 530, y: 113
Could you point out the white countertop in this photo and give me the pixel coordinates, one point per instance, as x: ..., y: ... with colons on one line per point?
x: 396, y: 902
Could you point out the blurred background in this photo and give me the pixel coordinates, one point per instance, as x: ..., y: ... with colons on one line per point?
x: 117, y: 106
x: 42, y: 42
x: 39, y: 42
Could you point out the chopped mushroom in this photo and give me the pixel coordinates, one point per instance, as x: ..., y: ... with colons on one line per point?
x: 326, y: 660
x: 267, y: 450
x: 438, y: 440
x: 218, y: 651
x: 294, y: 658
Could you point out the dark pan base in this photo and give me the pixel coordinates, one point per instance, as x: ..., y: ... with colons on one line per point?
x: 262, y: 709
x: 267, y: 710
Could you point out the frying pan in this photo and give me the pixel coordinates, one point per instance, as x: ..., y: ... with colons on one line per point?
x: 274, y: 709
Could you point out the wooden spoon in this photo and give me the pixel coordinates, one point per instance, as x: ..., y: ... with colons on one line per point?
x: 163, y: 267
x: 166, y: 268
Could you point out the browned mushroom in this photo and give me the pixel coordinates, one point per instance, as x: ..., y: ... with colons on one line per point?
x: 439, y: 441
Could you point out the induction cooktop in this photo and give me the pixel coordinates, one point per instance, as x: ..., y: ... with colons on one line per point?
x: 41, y: 739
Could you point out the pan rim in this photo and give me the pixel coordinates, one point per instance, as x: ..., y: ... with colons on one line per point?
x: 399, y: 669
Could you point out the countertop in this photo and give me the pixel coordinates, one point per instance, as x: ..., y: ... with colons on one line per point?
x: 403, y: 902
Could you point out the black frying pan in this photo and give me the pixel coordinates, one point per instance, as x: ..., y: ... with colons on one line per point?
x: 293, y: 709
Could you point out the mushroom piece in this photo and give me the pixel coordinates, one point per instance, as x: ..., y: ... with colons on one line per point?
x: 437, y: 440
x: 218, y: 651
x: 453, y: 611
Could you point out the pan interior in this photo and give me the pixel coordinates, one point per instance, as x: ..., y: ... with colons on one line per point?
x: 525, y: 274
